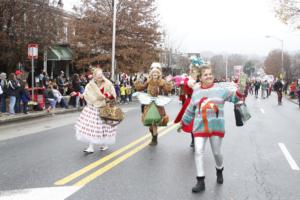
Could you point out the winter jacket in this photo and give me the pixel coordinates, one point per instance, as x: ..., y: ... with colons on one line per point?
x: 13, y: 88
x: 4, y: 86
x: 25, y: 96
x: 48, y: 93
x: 278, y: 86
x: 96, y: 96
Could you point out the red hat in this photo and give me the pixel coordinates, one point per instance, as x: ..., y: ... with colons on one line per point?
x: 19, y: 72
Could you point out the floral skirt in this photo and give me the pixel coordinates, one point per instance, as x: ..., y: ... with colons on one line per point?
x: 91, y: 129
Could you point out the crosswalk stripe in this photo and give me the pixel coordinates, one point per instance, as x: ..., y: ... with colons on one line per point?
x: 47, y: 193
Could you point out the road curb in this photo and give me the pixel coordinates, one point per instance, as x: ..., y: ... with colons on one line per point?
x: 40, y: 114
x: 6, y: 119
x: 295, y: 101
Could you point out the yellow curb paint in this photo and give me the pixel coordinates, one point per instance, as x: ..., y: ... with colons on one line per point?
x: 114, y: 163
x: 91, y: 166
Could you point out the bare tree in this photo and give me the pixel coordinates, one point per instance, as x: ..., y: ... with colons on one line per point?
x: 23, y: 22
x: 288, y: 11
x: 273, y: 64
x: 137, y: 35
x: 295, y: 66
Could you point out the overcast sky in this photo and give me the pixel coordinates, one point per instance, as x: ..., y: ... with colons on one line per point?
x: 231, y: 26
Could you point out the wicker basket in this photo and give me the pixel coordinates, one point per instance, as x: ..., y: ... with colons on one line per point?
x: 168, y: 86
x: 111, y: 112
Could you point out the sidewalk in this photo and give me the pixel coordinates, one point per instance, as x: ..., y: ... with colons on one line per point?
x: 6, y: 118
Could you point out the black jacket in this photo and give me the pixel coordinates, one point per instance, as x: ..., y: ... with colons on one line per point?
x: 278, y: 86
x: 60, y: 82
x: 13, y: 88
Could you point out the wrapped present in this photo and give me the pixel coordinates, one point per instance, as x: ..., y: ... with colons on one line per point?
x: 241, y: 114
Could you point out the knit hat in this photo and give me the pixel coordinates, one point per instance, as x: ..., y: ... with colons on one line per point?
x: 19, y: 72
x: 3, y: 75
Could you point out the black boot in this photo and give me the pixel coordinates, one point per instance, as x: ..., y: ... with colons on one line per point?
x: 153, y: 141
x: 192, y: 145
x: 193, y: 141
x: 220, y: 175
x: 200, y: 186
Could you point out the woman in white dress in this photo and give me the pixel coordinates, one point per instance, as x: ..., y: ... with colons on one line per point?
x: 89, y: 127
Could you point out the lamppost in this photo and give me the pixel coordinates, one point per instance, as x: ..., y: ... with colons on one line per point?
x: 280, y: 40
x: 226, y: 67
x: 113, y: 40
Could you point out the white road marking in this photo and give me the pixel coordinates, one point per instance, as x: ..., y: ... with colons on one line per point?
x: 262, y: 111
x: 288, y: 157
x: 48, y: 193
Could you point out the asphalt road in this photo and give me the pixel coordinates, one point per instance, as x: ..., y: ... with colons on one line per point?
x: 261, y: 159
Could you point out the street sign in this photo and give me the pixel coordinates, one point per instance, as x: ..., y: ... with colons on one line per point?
x: 32, y: 51
x: 32, y: 54
x: 237, y: 70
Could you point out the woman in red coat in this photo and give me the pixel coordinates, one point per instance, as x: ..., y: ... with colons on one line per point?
x: 187, y: 84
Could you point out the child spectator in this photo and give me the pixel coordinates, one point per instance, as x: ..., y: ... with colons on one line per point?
x: 25, y: 97
x: 58, y: 97
x: 129, y: 92
x: 123, y: 93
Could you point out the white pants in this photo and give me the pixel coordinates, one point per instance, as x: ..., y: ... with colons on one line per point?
x: 215, y: 143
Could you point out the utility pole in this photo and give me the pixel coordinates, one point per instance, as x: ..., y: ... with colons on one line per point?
x: 226, y: 67
x: 282, y: 68
x: 113, y: 40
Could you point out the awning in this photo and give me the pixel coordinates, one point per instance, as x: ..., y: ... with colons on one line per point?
x: 59, y: 53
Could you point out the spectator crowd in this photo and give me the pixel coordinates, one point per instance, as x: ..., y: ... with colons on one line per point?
x: 16, y: 91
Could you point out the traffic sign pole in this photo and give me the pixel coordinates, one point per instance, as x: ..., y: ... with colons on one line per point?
x: 32, y: 75
x: 32, y: 54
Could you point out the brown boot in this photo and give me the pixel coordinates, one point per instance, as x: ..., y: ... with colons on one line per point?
x: 153, y: 130
x: 153, y: 141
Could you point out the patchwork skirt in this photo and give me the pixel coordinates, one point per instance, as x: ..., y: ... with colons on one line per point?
x: 91, y: 129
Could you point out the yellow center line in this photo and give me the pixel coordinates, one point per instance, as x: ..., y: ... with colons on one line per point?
x: 91, y: 166
x: 114, y: 163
